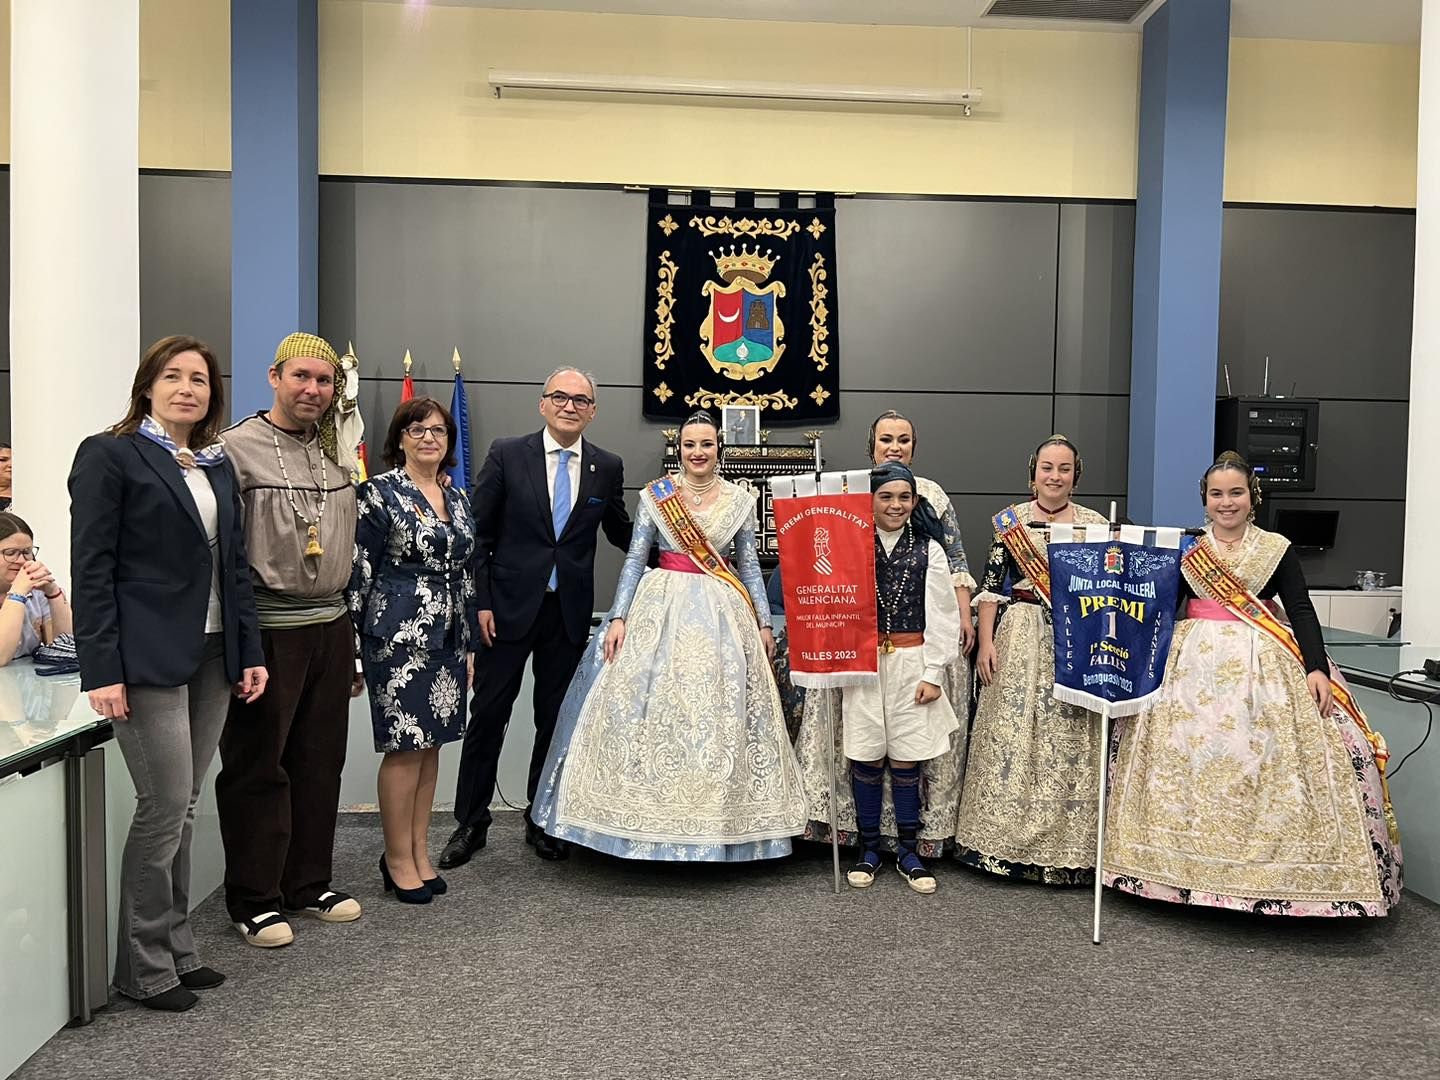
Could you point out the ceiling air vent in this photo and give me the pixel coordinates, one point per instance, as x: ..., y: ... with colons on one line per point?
x: 1111, y: 11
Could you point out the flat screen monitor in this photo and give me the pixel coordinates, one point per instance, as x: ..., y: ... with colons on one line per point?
x: 1307, y: 528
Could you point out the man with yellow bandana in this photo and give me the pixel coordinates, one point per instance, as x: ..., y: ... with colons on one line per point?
x: 281, y: 756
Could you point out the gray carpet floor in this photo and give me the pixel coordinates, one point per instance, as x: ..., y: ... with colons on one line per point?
x: 601, y: 968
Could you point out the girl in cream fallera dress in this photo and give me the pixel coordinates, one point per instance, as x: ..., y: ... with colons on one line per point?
x: 1233, y: 789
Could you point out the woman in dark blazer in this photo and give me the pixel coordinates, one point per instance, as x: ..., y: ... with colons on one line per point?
x: 165, y: 629
x: 413, y: 601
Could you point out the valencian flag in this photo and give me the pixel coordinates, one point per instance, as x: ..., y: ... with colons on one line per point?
x: 741, y: 309
x: 827, y: 570
x: 460, y: 412
x: 1114, y: 608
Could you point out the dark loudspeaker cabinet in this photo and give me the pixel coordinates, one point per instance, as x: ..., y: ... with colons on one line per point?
x: 1277, y: 436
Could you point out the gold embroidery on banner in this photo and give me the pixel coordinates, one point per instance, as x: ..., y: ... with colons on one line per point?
x: 707, y: 399
x: 819, y: 394
x: 819, y: 314
x: 815, y: 228
x: 668, y: 225
x: 725, y: 226
x: 664, y: 309
x: 663, y: 392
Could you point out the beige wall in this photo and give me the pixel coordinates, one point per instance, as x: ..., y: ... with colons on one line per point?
x: 1322, y: 122
x: 403, y: 93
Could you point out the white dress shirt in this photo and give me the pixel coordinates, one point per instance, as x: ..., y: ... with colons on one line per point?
x: 552, y: 465
x: 198, y: 481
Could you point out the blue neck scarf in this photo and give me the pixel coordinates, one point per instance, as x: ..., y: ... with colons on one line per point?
x: 206, y: 458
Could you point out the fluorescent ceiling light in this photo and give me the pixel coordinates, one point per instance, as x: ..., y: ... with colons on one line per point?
x: 954, y: 97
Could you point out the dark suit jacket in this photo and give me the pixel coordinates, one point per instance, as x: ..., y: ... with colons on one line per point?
x: 515, y: 541
x: 141, y: 570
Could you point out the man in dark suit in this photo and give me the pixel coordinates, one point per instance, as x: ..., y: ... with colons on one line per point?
x: 538, y: 501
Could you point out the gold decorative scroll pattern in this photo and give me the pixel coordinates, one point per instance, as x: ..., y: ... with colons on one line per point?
x: 725, y: 226
x: 664, y: 348
x: 707, y: 399
x: 819, y: 317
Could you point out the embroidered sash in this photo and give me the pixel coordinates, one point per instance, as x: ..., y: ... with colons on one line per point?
x: 1018, y: 539
x: 674, y: 515
x: 1213, y: 580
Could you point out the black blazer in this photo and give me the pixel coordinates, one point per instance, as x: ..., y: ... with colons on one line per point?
x: 515, y: 541
x: 140, y: 564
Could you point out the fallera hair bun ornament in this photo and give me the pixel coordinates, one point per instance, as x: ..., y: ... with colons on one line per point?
x: 1058, y: 440
x: 1229, y: 459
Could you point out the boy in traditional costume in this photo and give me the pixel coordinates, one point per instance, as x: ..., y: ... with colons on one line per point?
x: 903, y: 718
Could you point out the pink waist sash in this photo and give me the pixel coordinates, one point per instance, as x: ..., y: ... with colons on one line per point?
x: 1209, y: 609
x: 676, y: 560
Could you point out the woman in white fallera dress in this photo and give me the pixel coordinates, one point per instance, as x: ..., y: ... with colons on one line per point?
x: 671, y: 743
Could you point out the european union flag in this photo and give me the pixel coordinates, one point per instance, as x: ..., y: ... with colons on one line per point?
x: 460, y: 410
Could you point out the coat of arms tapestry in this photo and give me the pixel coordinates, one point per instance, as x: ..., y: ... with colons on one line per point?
x: 741, y: 309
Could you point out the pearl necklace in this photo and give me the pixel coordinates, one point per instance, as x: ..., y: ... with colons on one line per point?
x: 698, y: 491
x: 312, y: 528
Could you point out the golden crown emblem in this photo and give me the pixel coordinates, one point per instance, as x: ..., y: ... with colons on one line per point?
x: 744, y: 263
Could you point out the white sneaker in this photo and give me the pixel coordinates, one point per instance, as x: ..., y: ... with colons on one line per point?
x: 268, y: 930
x: 332, y: 907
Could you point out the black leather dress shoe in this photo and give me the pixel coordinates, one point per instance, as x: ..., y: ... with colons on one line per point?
x: 463, y: 843
x: 547, y: 847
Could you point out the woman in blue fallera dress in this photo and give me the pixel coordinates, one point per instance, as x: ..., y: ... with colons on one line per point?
x: 412, y: 598
x: 671, y: 742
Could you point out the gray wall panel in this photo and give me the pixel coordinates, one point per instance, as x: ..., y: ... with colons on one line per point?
x: 185, y: 260
x: 1092, y: 325
x: 1363, y: 447
x: 1370, y: 536
x: 1326, y: 294
x: 947, y: 295
x: 967, y: 442
x: 1100, y: 427
x: 520, y: 279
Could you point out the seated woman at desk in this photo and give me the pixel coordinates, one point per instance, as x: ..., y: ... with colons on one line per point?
x: 35, y: 610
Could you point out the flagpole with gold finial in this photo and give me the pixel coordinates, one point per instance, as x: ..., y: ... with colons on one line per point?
x: 407, y: 388
x: 455, y: 359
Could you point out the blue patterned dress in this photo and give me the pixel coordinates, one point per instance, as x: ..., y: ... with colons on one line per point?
x: 412, y: 598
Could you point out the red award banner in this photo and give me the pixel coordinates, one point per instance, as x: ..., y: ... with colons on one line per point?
x: 827, y: 567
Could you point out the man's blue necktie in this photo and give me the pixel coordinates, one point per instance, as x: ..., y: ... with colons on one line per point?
x: 560, y: 503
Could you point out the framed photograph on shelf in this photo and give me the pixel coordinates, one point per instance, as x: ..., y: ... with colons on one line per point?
x: 741, y: 424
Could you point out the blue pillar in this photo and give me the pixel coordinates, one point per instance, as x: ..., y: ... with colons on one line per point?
x: 1184, y: 68
x: 274, y: 187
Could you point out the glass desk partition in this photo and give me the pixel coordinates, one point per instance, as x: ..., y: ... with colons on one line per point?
x: 53, y: 909
x: 1404, y: 719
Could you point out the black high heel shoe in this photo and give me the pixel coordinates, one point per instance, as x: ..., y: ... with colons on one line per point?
x: 422, y: 895
x: 436, y: 885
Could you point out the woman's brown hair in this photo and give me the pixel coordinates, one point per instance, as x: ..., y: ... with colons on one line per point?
x: 152, y: 364
x: 415, y: 411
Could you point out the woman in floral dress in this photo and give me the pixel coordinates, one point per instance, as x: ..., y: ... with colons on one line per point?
x: 412, y: 598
